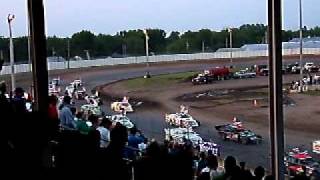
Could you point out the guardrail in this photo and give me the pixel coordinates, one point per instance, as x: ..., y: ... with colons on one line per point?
x: 158, y: 58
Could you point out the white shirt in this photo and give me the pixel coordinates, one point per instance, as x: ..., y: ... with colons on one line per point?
x: 104, y: 136
x: 142, y: 146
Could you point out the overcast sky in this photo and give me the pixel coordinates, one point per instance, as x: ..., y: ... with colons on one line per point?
x: 64, y: 17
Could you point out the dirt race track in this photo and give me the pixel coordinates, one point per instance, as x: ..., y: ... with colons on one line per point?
x: 301, y: 112
x: 301, y: 119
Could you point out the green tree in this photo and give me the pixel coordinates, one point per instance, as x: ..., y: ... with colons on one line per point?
x: 4, y: 47
x: 56, y: 46
x: 157, y: 41
x: 84, y: 40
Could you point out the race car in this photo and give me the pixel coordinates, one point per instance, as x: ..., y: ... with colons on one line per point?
x: 122, y: 106
x: 56, y: 81
x: 181, y: 120
x: 298, y: 162
x: 124, y: 120
x: 181, y: 135
x: 77, y: 82
x: 76, y: 89
x: 235, y: 132
x: 91, y: 109
x: 201, y: 79
x: 95, y: 100
x: 54, y: 89
x: 242, y: 74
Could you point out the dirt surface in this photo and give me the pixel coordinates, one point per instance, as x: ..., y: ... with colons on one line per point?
x: 218, y: 103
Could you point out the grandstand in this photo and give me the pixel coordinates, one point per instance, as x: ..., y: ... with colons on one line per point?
x: 309, y: 42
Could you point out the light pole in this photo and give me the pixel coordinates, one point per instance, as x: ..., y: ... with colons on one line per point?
x: 87, y: 54
x: 203, y: 46
x: 187, y: 46
x: 68, y: 53
x: 301, y: 45
x: 10, y: 19
x: 147, y: 53
x: 230, y: 36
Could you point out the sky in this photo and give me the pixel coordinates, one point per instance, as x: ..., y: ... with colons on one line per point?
x: 65, y: 17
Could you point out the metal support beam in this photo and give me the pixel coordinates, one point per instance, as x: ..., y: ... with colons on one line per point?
x: 275, y: 89
x: 38, y: 54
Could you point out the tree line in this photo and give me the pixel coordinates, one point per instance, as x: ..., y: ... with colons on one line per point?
x: 132, y: 42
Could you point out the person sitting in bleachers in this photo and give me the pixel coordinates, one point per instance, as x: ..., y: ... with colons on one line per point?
x: 104, y: 129
x: 67, y: 121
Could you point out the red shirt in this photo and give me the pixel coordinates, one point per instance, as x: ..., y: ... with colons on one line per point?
x: 53, y: 112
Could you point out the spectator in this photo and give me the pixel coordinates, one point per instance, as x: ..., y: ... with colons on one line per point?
x: 269, y: 177
x: 9, y: 155
x: 231, y: 169
x: 202, y: 162
x: 259, y: 173
x: 112, y: 157
x: 81, y: 123
x: 53, y: 111
x: 67, y: 121
x: 133, y: 139
x: 148, y: 165
x: 211, y: 168
x: 104, y: 130
x: 143, y: 146
x: 93, y: 143
x: 5, y: 106
x: 245, y: 173
x: 19, y: 102
x: 213, y: 165
x: 53, y: 115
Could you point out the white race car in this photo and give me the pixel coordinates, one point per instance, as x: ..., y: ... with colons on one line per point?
x: 121, y: 106
x: 95, y: 100
x: 181, y: 120
x: 78, y: 90
x: 53, y: 89
x: 244, y: 74
x: 56, y: 81
x: 124, y: 120
x: 92, y: 108
x: 77, y: 82
x: 181, y: 134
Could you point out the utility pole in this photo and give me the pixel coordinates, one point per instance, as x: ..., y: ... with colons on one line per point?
x: 124, y: 50
x: 147, y: 52
x: 68, y: 53
x: 266, y: 37
x: 53, y: 52
x: 187, y: 46
x: 203, y: 46
x: 13, y: 85
x: 230, y: 34
x: 87, y: 54
x: 301, y: 44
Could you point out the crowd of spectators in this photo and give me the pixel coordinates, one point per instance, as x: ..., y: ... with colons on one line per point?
x: 67, y: 144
